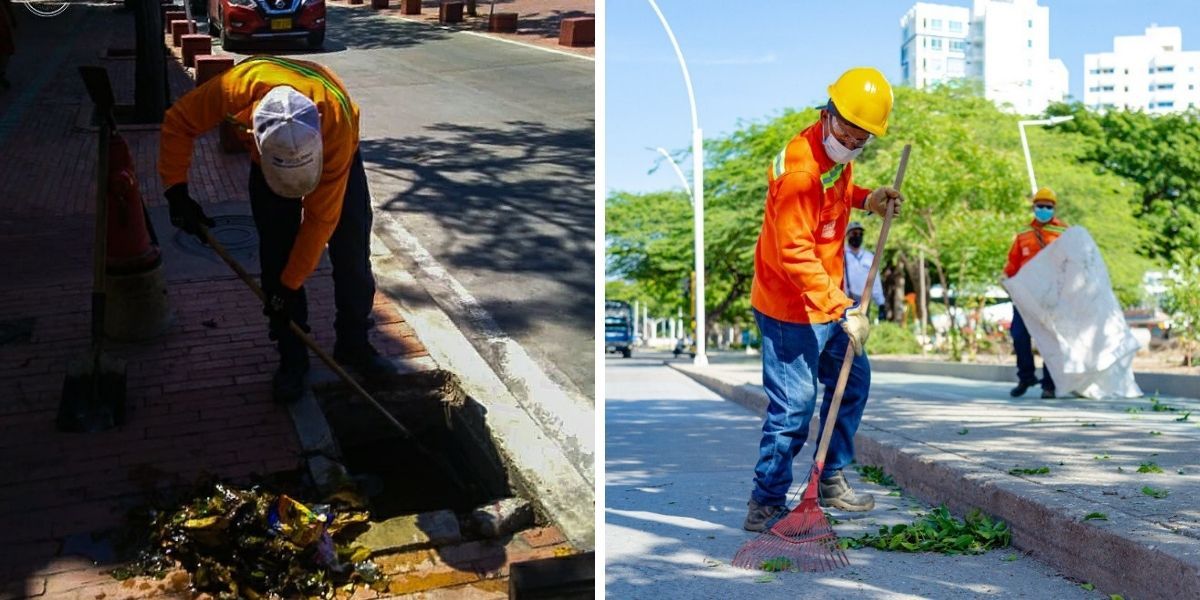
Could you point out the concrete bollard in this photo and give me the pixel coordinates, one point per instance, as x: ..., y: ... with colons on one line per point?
x: 179, y: 28
x: 410, y: 7
x: 172, y: 15
x: 577, y: 32
x: 450, y: 12
x: 211, y: 65
x: 193, y: 45
x: 379, y: 4
x: 503, y: 23
x: 137, y: 307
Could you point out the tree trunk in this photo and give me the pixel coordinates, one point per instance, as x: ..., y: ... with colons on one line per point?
x: 471, y: 7
x: 952, y: 326
x: 150, y: 90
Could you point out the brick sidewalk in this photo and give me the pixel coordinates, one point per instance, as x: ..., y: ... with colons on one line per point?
x: 198, y: 396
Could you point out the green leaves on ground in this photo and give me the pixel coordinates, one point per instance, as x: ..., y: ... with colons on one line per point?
x: 1149, y: 467
x: 1104, y: 456
x: 964, y: 431
x: 1035, y: 419
x: 1157, y: 406
x: 939, y: 531
x: 778, y: 564
x: 1184, y: 417
x: 1037, y: 471
x: 1155, y: 493
x: 1152, y: 432
x: 1096, y: 516
x: 875, y: 475
x: 1087, y: 586
x: 1133, y: 410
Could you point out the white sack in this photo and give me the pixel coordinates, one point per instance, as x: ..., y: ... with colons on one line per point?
x: 1066, y: 300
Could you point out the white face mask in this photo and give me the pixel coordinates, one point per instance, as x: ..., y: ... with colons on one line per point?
x: 837, y: 152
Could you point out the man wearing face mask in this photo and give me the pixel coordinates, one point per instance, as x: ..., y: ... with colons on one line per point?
x: 1043, y: 230
x: 806, y: 319
x: 858, y: 263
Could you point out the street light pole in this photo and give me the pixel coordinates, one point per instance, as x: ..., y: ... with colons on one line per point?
x: 1025, y: 144
x: 697, y: 192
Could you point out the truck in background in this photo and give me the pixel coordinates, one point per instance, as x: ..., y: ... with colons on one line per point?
x: 618, y: 328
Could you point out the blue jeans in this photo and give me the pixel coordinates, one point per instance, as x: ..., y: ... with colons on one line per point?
x: 795, y: 357
x: 1026, y: 373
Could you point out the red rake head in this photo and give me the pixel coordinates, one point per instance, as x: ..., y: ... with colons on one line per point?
x: 803, y: 540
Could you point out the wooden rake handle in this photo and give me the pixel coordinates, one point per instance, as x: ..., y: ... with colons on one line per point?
x: 300, y: 333
x: 844, y: 375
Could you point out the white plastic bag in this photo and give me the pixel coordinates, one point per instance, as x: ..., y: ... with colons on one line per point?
x: 1066, y: 299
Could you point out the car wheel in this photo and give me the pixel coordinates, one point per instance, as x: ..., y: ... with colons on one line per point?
x: 227, y: 44
x: 316, y: 39
x: 212, y: 27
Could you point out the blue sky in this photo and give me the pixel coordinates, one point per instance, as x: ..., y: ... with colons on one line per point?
x: 753, y: 61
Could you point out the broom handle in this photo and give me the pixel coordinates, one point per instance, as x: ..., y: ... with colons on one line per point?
x: 844, y: 375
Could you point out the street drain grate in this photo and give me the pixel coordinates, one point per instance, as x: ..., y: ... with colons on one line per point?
x: 16, y: 331
x: 443, y: 419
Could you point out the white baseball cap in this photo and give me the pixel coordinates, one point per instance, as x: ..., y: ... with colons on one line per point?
x: 287, y: 131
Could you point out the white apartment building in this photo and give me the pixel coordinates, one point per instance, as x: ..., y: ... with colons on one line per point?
x: 1005, y: 46
x: 1148, y: 72
x: 933, y: 45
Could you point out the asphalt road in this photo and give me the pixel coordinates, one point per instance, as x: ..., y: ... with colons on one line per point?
x: 679, y: 463
x: 480, y: 156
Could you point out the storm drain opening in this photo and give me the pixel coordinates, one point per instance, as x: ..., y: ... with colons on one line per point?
x: 392, y: 471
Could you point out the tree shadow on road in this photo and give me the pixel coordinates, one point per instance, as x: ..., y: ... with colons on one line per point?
x: 519, y: 197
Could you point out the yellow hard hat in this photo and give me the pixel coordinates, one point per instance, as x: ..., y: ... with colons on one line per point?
x: 1046, y: 195
x: 863, y: 97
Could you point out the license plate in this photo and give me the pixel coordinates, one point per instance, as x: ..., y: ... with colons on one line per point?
x: 277, y: 24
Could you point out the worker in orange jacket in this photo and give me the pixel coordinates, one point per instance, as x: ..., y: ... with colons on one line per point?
x: 1043, y: 230
x: 307, y: 187
x: 807, y: 321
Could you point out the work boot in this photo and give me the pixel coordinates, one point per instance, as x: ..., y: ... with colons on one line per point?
x: 1019, y: 391
x: 1047, y: 392
x: 363, y: 358
x: 836, y: 493
x: 287, y: 386
x: 761, y: 518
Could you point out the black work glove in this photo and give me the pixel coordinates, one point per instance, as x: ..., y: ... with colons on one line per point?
x: 186, y: 213
x: 278, y: 308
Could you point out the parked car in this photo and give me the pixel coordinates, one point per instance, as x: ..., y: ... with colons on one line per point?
x: 241, y: 21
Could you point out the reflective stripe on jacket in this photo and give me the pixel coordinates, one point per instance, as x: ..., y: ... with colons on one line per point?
x: 232, y: 97
x: 798, y: 262
x: 1026, y: 245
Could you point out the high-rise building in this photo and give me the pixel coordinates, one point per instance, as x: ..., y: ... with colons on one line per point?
x: 1003, y: 44
x: 1149, y: 72
x: 933, y: 44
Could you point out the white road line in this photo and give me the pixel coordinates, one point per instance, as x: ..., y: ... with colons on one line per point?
x: 568, y: 420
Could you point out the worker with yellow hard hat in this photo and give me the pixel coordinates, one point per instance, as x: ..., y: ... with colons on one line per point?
x: 806, y: 319
x: 1042, y: 231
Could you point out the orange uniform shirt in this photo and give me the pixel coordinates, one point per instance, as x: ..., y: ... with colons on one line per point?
x: 1026, y: 245
x: 232, y: 96
x: 798, y: 262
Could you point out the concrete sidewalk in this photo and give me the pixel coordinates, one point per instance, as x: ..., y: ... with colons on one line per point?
x: 954, y: 441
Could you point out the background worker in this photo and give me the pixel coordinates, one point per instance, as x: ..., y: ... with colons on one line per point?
x: 1043, y: 230
x: 798, y: 296
x: 307, y: 189
x: 858, y: 264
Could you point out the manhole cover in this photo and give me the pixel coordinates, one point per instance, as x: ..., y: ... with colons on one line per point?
x: 236, y: 233
x: 16, y: 331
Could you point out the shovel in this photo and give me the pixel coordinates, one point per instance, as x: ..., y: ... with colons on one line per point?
x: 93, y: 397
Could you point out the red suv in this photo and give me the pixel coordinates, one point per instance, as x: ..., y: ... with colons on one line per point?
x: 241, y: 21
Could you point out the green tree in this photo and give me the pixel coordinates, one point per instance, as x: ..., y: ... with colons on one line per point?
x: 1182, y: 301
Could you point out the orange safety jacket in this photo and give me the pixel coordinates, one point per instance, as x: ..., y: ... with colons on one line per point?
x: 232, y: 97
x: 1027, y: 243
x: 798, y: 262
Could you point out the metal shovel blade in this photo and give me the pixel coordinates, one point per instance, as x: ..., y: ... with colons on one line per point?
x: 92, y: 400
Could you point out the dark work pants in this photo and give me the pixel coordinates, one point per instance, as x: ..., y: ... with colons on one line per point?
x: 278, y: 222
x: 1026, y: 373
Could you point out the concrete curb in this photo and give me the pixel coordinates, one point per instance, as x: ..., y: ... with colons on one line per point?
x: 540, y: 464
x: 1133, y: 557
x: 1164, y: 384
